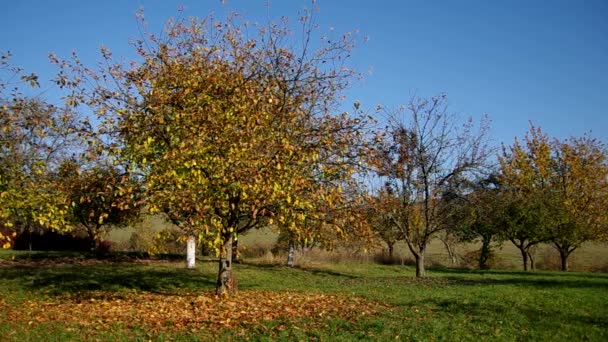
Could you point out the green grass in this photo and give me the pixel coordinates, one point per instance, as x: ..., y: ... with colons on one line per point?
x: 448, y: 305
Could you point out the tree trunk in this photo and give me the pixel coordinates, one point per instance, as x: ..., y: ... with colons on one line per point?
x: 531, y: 257
x: 226, y: 283
x: 391, y: 249
x: 418, y: 254
x: 291, y: 254
x: 484, y: 254
x: 235, y: 249
x: 190, y: 252
x: 420, y: 271
x: 524, y: 256
x: 564, y: 257
x: 450, y: 249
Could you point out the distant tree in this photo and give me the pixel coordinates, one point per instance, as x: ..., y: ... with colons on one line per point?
x: 478, y: 214
x: 380, y: 219
x: 98, y: 200
x: 526, y: 172
x: 34, y: 137
x: 579, y: 194
x: 421, y: 155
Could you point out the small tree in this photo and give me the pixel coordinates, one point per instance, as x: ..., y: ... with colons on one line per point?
x: 421, y: 155
x: 579, y: 193
x: 479, y: 215
x: 100, y: 199
x: 526, y: 178
x: 381, y: 222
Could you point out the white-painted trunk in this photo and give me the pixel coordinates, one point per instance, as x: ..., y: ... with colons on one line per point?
x: 190, y: 252
x: 291, y: 254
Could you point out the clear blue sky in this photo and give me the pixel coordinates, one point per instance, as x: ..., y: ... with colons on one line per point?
x: 544, y: 61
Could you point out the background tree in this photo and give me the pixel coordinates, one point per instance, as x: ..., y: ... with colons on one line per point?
x: 34, y: 138
x: 421, y: 155
x: 227, y: 128
x: 579, y: 194
x: 478, y: 215
x: 97, y: 201
x: 526, y: 172
x: 380, y: 219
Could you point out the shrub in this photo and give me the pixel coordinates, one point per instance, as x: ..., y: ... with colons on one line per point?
x: 167, y: 241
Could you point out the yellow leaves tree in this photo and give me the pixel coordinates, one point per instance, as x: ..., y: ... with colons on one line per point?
x: 99, y: 198
x: 525, y: 176
x: 558, y: 192
x: 34, y: 137
x: 227, y: 131
x: 580, y: 194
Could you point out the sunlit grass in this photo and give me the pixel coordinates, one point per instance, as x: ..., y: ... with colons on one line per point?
x: 449, y: 304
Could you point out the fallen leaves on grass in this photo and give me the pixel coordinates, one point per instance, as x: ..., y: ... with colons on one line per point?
x: 191, y: 311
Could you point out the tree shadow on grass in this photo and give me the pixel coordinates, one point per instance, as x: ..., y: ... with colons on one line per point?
x: 68, y: 279
x: 555, y: 274
x: 310, y: 270
x: 528, y: 279
x: 553, y: 319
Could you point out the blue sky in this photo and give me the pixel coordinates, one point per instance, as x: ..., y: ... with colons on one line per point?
x: 544, y: 61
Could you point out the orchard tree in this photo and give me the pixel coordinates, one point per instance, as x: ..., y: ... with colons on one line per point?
x: 422, y: 154
x: 380, y: 219
x: 227, y: 129
x: 479, y: 215
x: 525, y: 175
x: 34, y: 137
x: 580, y: 194
x: 97, y: 201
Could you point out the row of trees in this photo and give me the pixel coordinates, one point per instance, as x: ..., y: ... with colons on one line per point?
x: 438, y: 182
x: 221, y: 132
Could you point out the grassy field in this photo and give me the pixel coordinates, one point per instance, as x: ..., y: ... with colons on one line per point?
x: 87, y: 299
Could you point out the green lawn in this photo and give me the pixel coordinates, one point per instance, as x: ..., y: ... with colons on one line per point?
x: 370, y: 302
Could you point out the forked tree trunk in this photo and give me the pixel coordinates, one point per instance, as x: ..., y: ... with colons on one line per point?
x: 291, y: 254
x: 190, y: 252
x: 564, y: 254
x: 226, y: 283
x: 419, y: 256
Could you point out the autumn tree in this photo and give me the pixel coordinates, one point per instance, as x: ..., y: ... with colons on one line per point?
x: 580, y: 192
x: 422, y: 154
x: 380, y: 220
x: 34, y: 137
x: 227, y: 130
x: 97, y: 201
x: 526, y: 176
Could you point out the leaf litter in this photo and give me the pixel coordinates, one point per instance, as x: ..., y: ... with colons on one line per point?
x: 191, y: 310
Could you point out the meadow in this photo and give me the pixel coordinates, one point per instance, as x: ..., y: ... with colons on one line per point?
x: 59, y: 296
